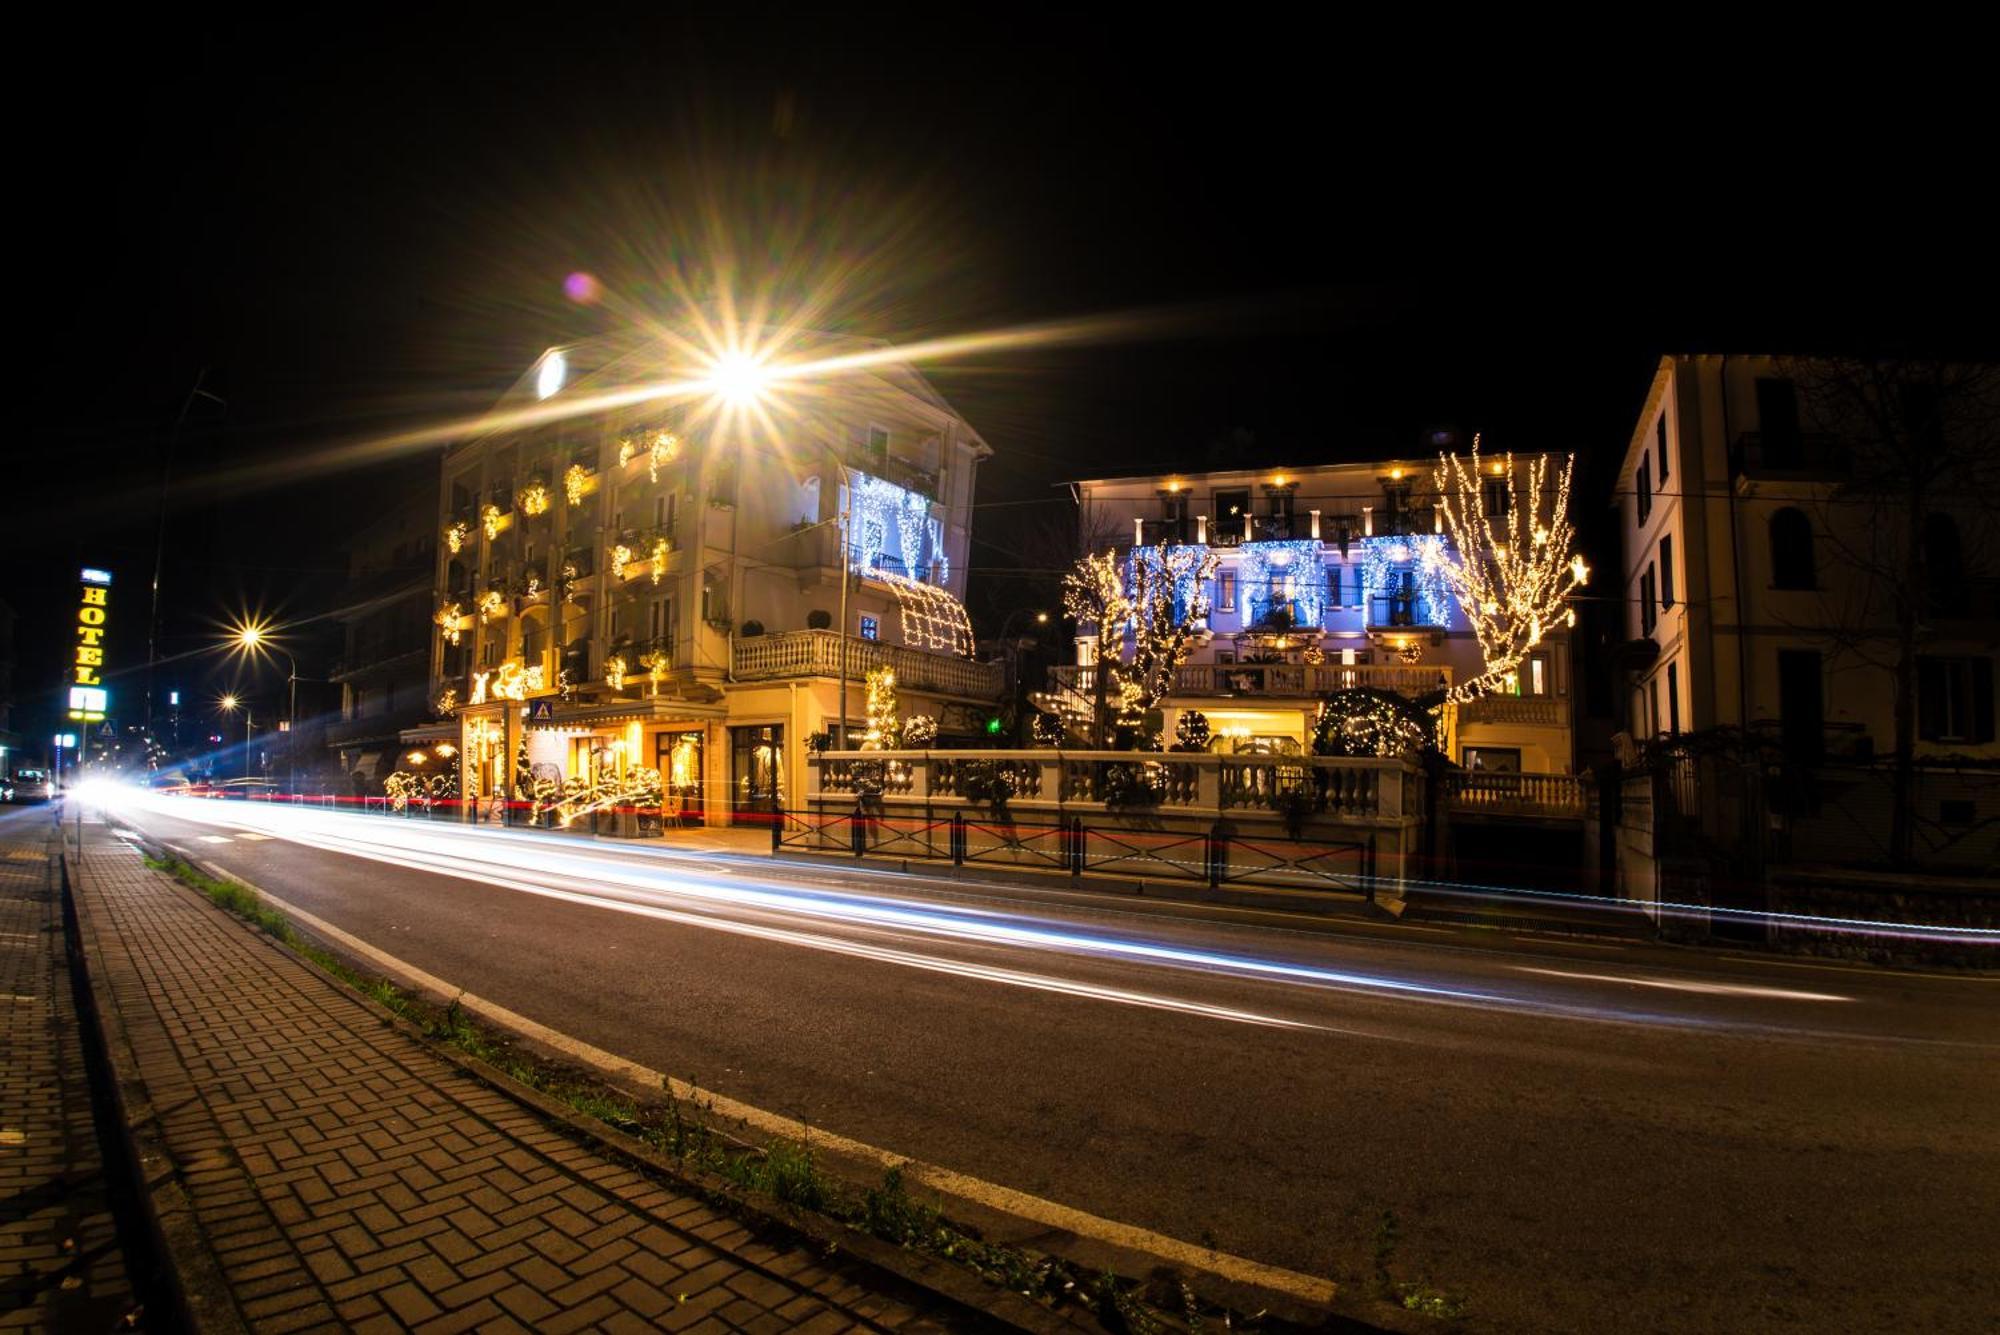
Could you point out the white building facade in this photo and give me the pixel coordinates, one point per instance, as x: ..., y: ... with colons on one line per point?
x: 652, y: 583
x: 1758, y: 572
x: 1322, y: 585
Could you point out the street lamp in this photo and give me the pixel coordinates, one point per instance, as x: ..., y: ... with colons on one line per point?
x: 254, y: 637
x: 229, y: 704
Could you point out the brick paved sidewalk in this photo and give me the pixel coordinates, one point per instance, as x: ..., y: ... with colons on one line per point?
x: 345, y: 1176
x: 61, y: 1267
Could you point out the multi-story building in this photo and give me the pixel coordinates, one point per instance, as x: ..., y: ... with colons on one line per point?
x: 634, y: 580
x: 1767, y: 526
x: 1322, y: 586
x: 384, y: 669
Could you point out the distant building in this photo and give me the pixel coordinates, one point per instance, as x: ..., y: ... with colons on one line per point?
x: 1762, y: 549
x: 384, y: 670
x: 657, y: 583
x: 1321, y: 587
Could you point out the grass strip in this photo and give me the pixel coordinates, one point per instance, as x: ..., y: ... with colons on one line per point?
x: 783, y: 1170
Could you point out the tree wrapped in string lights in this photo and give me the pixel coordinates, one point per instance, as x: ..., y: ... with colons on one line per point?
x: 1164, y: 606
x: 1511, y: 574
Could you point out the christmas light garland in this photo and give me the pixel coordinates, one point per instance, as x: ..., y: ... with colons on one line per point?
x: 1426, y: 558
x: 931, y: 617
x: 1293, y: 566
x: 450, y: 620
x: 576, y: 483
x: 491, y: 518
x: 1513, y: 583
x: 535, y: 498
x: 456, y: 534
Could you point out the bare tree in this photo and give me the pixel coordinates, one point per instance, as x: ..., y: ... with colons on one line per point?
x: 1908, y: 528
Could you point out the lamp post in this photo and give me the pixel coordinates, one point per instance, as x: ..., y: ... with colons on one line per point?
x: 229, y: 705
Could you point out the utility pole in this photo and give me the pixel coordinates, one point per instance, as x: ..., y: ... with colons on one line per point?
x: 160, y: 534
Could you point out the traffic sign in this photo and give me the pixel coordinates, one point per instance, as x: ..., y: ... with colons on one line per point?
x: 542, y: 710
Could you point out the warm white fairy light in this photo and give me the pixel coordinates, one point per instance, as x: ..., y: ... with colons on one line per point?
x: 621, y: 556
x: 661, y: 449
x: 615, y: 668
x: 576, y: 484
x: 451, y: 621
x: 491, y: 517
x: 660, y: 549
x: 455, y: 535
x: 931, y: 617
x: 1513, y: 582
x: 491, y: 604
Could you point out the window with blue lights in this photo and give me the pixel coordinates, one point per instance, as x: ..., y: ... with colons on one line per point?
x: 1284, y: 584
x: 871, y: 629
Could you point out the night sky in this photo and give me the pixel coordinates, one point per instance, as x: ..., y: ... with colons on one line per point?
x: 1336, y: 240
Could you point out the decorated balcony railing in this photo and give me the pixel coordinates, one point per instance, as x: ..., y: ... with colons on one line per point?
x: 1291, y: 680
x: 816, y: 653
x: 1514, y: 794
x: 1145, y: 783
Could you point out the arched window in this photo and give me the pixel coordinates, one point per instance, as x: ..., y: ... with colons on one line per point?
x: 1944, y: 566
x: 1791, y: 550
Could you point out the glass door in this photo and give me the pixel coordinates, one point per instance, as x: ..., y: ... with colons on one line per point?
x: 756, y: 771
x: 679, y: 758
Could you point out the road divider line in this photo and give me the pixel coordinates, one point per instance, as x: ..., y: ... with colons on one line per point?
x: 1706, y: 989
x: 944, y: 1181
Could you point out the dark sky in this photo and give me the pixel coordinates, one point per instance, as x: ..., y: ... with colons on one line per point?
x: 356, y: 226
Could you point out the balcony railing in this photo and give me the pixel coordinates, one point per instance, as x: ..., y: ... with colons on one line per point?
x: 1514, y: 794
x: 1396, y: 610
x: 1342, y: 789
x: 816, y: 653
x: 1541, y: 711
x: 1291, y: 680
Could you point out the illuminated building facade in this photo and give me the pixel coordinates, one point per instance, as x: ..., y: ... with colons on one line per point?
x: 1753, y: 569
x: 1326, y: 580
x: 656, y: 586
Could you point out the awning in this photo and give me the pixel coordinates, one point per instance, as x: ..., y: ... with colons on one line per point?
x: 366, y: 763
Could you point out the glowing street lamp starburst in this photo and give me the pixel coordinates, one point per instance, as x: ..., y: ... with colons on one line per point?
x: 738, y: 378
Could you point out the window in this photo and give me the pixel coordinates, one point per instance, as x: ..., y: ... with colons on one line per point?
x: 1666, y: 570
x: 871, y: 629
x: 1493, y: 759
x: 1660, y: 444
x: 1230, y: 509
x: 1494, y: 494
x: 1944, y: 567
x: 1778, y: 423
x: 1955, y: 699
x: 1173, y: 514
x: 1653, y: 706
x: 1648, y: 608
x: 659, y: 622
x: 1674, y: 697
x: 1225, y: 591
x: 1644, y: 479
x: 1792, y: 565
x: 663, y: 513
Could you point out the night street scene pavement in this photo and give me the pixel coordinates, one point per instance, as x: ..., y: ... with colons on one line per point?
x: 832, y: 673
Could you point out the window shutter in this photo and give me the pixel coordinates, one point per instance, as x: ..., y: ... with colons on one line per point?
x: 1930, y: 699
x: 1982, y: 699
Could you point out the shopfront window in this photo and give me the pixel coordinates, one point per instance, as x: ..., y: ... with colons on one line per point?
x: 756, y: 770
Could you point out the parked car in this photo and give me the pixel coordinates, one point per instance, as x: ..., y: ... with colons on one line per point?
x: 30, y: 785
x: 239, y: 789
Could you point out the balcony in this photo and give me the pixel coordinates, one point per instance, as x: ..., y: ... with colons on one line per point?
x: 1535, y: 711
x: 1296, y: 681
x: 816, y: 653
x: 1755, y: 456
x: 1397, y: 611
x: 1558, y: 796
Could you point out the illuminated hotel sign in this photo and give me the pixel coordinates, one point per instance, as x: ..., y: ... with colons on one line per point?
x: 89, y: 701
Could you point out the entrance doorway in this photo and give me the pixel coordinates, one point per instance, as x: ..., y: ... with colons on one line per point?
x: 756, y: 772
x: 678, y: 756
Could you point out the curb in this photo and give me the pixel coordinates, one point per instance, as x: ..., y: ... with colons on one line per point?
x: 192, y: 1276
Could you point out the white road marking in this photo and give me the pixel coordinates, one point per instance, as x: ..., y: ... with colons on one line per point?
x: 213, y: 838
x: 246, y: 834
x: 990, y: 1195
x: 1712, y: 989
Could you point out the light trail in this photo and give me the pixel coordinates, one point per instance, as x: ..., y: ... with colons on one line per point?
x: 553, y: 866
x: 1685, y: 985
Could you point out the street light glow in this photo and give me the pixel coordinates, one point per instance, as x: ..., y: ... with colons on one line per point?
x: 228, y: 703
x: 738, y: 378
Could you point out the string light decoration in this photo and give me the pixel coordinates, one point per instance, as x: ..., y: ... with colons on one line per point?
x: 1423, y: 557
x: 456, y: 534
x: 656, y: 662
x: 621, y: 556
x: 1285, y: 576
x: 1363, y: 721
x: 663, y: 448
x: 615, y: 668
x: 567, y: 587
x: 885, y: 728
x: 447, y: 701
x: 1191, y: 731
x: 628, y: 450
x: 535, y: 498
x: 1170, y: 611
x: 931, y: 617
x: 1514, y: 582
x: 576, y: 483
x: 876, y: 509
x: 491, y: 517
x: 661, y: 547
x: 919, y: 731
x: 491, y: 604
x: 451, y: 622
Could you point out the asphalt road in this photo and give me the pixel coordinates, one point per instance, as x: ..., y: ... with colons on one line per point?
x: 1569, y: 1135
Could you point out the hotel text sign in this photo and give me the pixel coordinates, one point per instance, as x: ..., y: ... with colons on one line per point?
x: 89, y: 701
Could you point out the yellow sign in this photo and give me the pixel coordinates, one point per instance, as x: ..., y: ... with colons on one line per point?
x: 88, y: 699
